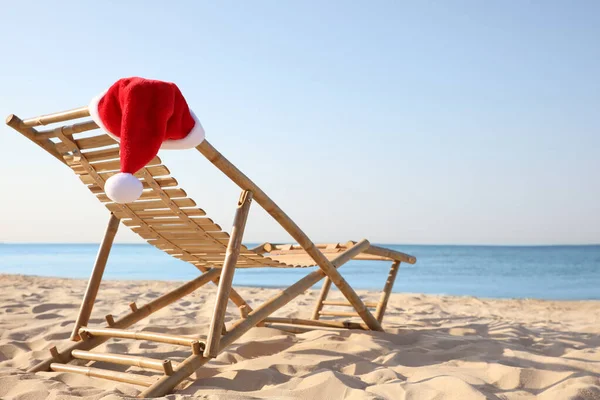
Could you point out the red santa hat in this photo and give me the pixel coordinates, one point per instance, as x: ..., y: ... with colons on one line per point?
x: 144, y: 116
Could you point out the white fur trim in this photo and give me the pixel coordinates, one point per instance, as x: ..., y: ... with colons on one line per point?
x: 93, y: 108
x: 193, y: 139
x: 123, y: 188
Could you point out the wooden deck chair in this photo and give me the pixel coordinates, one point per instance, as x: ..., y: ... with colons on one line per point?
x: 167, y: 219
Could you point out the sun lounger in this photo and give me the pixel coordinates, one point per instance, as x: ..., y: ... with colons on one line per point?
x: 167, y: 219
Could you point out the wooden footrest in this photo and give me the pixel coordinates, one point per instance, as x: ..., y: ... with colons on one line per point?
x: 134, y: 379
x: 138, y: 335
x: 165, y: 366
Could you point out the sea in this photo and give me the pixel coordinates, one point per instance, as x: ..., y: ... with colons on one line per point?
x: 540, y: 272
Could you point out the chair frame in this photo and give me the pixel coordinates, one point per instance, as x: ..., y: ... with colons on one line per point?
x: 219, y: 336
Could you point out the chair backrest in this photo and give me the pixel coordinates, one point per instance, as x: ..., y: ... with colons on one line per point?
x: 164, y: 216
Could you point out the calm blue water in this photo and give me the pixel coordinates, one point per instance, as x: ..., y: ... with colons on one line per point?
x: 553, y: 272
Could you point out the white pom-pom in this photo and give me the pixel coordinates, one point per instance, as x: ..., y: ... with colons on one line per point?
x: 123, y: 188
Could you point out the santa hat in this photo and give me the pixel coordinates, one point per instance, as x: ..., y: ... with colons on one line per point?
x: 144, y: 116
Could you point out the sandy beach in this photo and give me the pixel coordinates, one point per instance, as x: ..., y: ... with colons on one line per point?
x: 434, y: 347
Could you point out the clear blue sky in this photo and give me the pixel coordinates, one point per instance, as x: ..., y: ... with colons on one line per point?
x: 404, y: 122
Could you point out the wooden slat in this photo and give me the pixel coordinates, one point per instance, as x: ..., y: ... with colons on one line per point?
x: 214, y: 255
x: 217, y: 259
x: 172, y: 237
x: 156, y: 170
x: 183, y: 228
x: 101, y: 155
x: 121, y: 359
x: 159, y: 170
x: 162, y: 181
x: 214, y: 250
x: 139, y: 335
x: 152, y: 204
x: 177, y: 235
x: 178, y: 221
x: 115, y: 165
x: 170, y: 221
x: 192, y: 259
x: 208, y: 228
x: 247, y: 264
x: 80, y: 112
x: 196, y: 212
x: 68, y: 130
x: 149, y: 195
x: 158, y: 227
x: 94, y: 142
x: 187, y: 242
x: 209, y: 246
x: 246, y: 261
x: 134, y: 379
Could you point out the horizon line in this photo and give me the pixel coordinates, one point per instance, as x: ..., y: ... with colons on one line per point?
x: 376, y: 243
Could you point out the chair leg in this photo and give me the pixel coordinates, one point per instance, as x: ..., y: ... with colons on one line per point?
x: 94, y: 284
x: 227, y: 272
x: 387, y: 291
x: 322, y: 297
